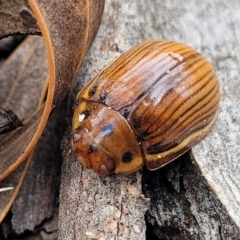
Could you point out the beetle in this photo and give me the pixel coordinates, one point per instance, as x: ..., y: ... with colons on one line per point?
x: 149, y: 106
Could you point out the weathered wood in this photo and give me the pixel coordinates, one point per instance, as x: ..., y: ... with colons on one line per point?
x: 37, y: 199
x: 218, y: 157
x: 183, y: 206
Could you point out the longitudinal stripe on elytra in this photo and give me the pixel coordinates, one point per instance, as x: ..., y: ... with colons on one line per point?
x: 153, y: 133
x: 145, y: 75
x: 133, y: 84
x: 113, y: 70
x: 108, y: 77
x: 164, y: 146
x: 118, y: 75
x: 170, y: 82
x: 122, y: 75
x: 197, y: 123
x: 173, y: 128
x: 127, y: 57
x: 156, y: 65
x: 192, y: 120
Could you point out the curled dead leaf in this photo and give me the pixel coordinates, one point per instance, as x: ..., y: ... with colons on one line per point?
x: 39, y: 73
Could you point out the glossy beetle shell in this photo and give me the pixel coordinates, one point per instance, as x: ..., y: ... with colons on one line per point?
x: 151, y: 105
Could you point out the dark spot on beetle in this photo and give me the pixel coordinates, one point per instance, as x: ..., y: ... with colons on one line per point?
x: 127, y: 157
x: 107, y: 130
x: 103, y: 95
x: 159, y: 147
x: 93, y: 148
x: 92, y: 91
x: 156, y: 148
x: 136, y: 123
x: 86, y: 114
x: 124, y: 112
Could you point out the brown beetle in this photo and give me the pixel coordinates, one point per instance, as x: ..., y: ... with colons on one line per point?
x: 151, y: 105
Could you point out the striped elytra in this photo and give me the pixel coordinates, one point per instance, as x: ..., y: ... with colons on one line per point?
x: 149, y: 106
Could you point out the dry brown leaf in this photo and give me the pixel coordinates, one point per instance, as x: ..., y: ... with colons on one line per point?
x: 23, y: 86
x: 67, y: 40
x: 68, y: 30
x: 37, y: 198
